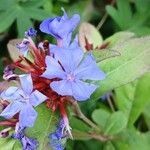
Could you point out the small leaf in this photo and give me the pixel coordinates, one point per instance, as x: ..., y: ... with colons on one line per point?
x: 92, y: 35
x: 100, y: 116
x: 115, y: 123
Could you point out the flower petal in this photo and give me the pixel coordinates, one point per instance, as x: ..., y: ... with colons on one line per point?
x: 88, y: 69
x: 11, y: 93
x: 26, y: 83
x: 46, y: 26
x: 69, y: 58
x: 27, y: 116
x: 37, y: 98
x: 82, y: 91
x: 11, y: 110
x: 53, y: 69
x: 62, y: 87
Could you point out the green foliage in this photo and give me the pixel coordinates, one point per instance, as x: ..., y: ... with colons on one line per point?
x: 140, y: 100
x: 115, y: 123
x: 111, y: 123
x: 22, y: 12
x: 132, y: 63
x: 127, y: 20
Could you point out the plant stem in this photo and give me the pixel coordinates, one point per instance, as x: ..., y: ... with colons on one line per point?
x: 100, y: 24
x: 95, y: 136
x: 80, y: 115
x: 110, y: 103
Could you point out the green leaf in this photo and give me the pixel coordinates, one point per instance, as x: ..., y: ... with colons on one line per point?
x: 79, y: 125
x: 126, y: 19
x: 36, y: 13
x: 141, y: 98
x: 115, y: 123
x: 124, y: 97
x: 7, y: 18
x: 118, y: 38
x: 122, y: 15
x: 6, y: 4
x: 100, y: 117
x: 103, y: 54
x: 142, y: 6
x: 133, y: 63
x: 7, y: 143
x: 23, y: 23
x: 32, y: 3
x: 92, y: 35
x: 44, y: 125
x: 132, y: 140
x: 48, y: 6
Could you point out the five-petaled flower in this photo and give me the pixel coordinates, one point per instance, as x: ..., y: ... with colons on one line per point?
x: 73, y: 68
x: 22, y: 100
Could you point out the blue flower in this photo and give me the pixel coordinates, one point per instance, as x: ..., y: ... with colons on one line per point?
x: 60, y: 28
x: 31, y: 32
x: 23, y: 47
x: 57, y: 136
x: 27, y: 143
x: 22, y: 101
x: 73, y: 69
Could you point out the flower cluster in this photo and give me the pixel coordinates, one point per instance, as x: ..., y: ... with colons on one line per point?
x: 51, y: 74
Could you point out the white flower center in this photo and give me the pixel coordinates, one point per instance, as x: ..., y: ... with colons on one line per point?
x: 70, y: 77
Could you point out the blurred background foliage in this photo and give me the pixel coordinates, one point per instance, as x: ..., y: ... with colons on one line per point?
x: 16, y: 16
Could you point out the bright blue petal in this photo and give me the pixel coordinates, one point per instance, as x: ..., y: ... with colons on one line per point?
x: 88, y: 69
x: 69, y: 58
x: 53, y: 69
x: 62, y: 87
x: 69, y: 26
x: 37, y: 98
x: 66, y: 40
x: 11, y: 110
x: 26, y: 83
x: 27, y: 116
x: 82, y: 91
